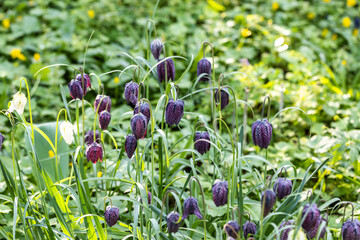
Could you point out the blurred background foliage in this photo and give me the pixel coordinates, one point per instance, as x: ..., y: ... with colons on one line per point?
x: 303, y: 54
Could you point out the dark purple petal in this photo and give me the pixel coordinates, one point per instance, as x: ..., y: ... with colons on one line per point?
x: 261, y: 133
x: 172, y: 222
x: 94, y: 152
x: 351, y: 230
x: 174, y: 112
x: 76, y: 91
x: 131, y: 93
x: 87, y: 82
x: 224, y: 97
x: 268, y: 199
x: 130, y: 145
x: 202, y: 146
x: 311, y: 215
x: 139, y: 126
x: 249, y: 229
x: 104, y: 119
x: 102, y: 102
x: 311, y: 233
x: 284, y: 234
x: 204, y: 66
x: 170, y: 69
x: 156, y: 48
x: 220, y: 192
x: 111, y: 215
x: 232, y: 229
x: 144, y: 109
x: 89, y: 137
x: 2, y: 138
x: 282, y: 187
x: 191, y: 207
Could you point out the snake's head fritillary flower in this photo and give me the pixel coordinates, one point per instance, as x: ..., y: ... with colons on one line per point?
x: 87, y: 82
x: 174, y: 112
x: 170, y: 70
x: 104, y: 119
x: 76, y: 91
x: 138, y: 126
x: 261, y: 133
x: 204, y: 66
x: 156, y: 48
x: 232, y: 229
x: 18, y: 103
x: 130, y: 145
x: 312, y: 214
x: 282, y: 187
x: 249, y: 229
x: 102, y: 103
x: 2, y: 138
x: 144, y: 109
x: 220, y: 192
x: 67, y: 131
x: 268, y: 199
x: 202, y: 146
x: 191, y: 207
x: 285, y: 233
x: 224, y: 97
x: 89, y: 137
x: 111, y: 215
x: 172, y: 221
x: 94, y: 152
x: 350, y: 230
x: 131, y: 93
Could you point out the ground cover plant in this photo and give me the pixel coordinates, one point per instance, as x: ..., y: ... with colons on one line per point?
x: 210, y: 120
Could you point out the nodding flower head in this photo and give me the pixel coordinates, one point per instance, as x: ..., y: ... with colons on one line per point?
x: 312, y: 215
x: 350, y: 230
x: 285, y: 234
x: 138, y: 126
x: 357, y: 22
x: 311, y: 233
x: 191, y: 207
x: 87, y: 82
x: 220, y: 192
x: 232, y: 229
x: 131, y: 93
x: 170, y: 70
x: 156, y: 48
x: 204, y: 66
x: 268, y: 199
x: 172, y: 221
x: 249, y: 229
x: 89, y: 137
x: 202, y: 146
x: 1, y: 140
x: 76, y: 91
x: 94, y: 152
x: 130, y: 145
x: 261, y: 133
x: 149, y: 197
x: 111, y: 215
x: 224, y: 97
x: 102, y: 102
x: 144, y: 109
x: 104, y: 119
x: 174, y: 112
x: 282, y: 187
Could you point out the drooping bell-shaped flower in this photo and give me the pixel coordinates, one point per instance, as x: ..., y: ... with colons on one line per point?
x: 18, y: 103
x: 268, y: 199
x: 2, y: 138
x: 285, y: 233
x: 174, y: 111
x: 191, y: 207
x: 311, y: 215
x: 67, y: 131
x: 94, y: 152
x: 104, y: 119
x: 220, y: 192
x: 224, y: 97
x: 311, y: 233
x: 261, y: 133
x: 170, y: 70
x: 323, y: 228
x: 87, y: 82
x: 172, y: 221
x: 249, y: 229
x: 350, y: 230
x: 111, y: 215
x: 282, y: 187
x: 144, y: 109
x: 202, y: 146
x: 89, y: 137
x: 156, y: 48
x: 76, y: 91
x: 130, y: 145
x: 131, y: 93
x: 102, y: 103
x: 204, y: 66
x: 138, y: 126
x: 232, y: 229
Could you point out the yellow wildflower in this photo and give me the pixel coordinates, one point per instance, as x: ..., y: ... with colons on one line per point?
x: 16, y: 53
x: 51, y: 154
x: 343, y: 62
x: 91, y: 13
x: 245, y: 32
x: 346, y: 22
x: 334, y: 36
x: 311, y: 15
x: 355, y: 32
x: 36, y: 57
x: 351, y: 3
x: 336, y: 118
x: 327, y: 1
x: 116, y: 80
x: 99, y: 174
x: 324, y: 32
x: 6, y: 23
x: 275, y: 6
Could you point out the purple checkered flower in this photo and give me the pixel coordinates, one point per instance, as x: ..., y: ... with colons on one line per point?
x: 249, y: 229
x: 204, y: 66
x: 268, y: 199
x: 130, y: 145
x: 224, y: 97
x: 76, y: 91
x: 111, y: 215
x: 174, y: 112
x: 104, y: 119
x: 191, y: 207
x: 102, y: 102
x: 232, y: 229
x: 131, y: 93
x: 94, y: 152
x: 138, y: 126
x: 172, y: 221
x: 170, y: 69
x: 261, y: 133
x: 282, y: 187
x: 220, y: 192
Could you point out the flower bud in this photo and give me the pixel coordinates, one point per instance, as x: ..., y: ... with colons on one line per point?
x: 156, y: 48
x: 282, y: 187
x: 104, y: 119
x: 86, y: 80
x: 131, y: 93
x: 89, y: 137
x: 202, y: 146
x: 268, y: 199
x: 220, y: 192
x: 102, y: 102
x: 94, y: 152
x: 191, y: 207
x: 130, y: 145
x: 138, y: 126
x: 350, y: 230
x: 174, y: 112
x: 224, y: 97
x: 232, y: 229
x: 249, y: 229
x: 144, y: 109
x: 67, y: 131
x: 310, y: 214
x: 261, y: 133
x: 111, y: 215
x: 76, y: 91
x: 170, y: 69
x: 284, y: 234
x: 204, y: 66
x: 2, y: 138
x: 172, y: 221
